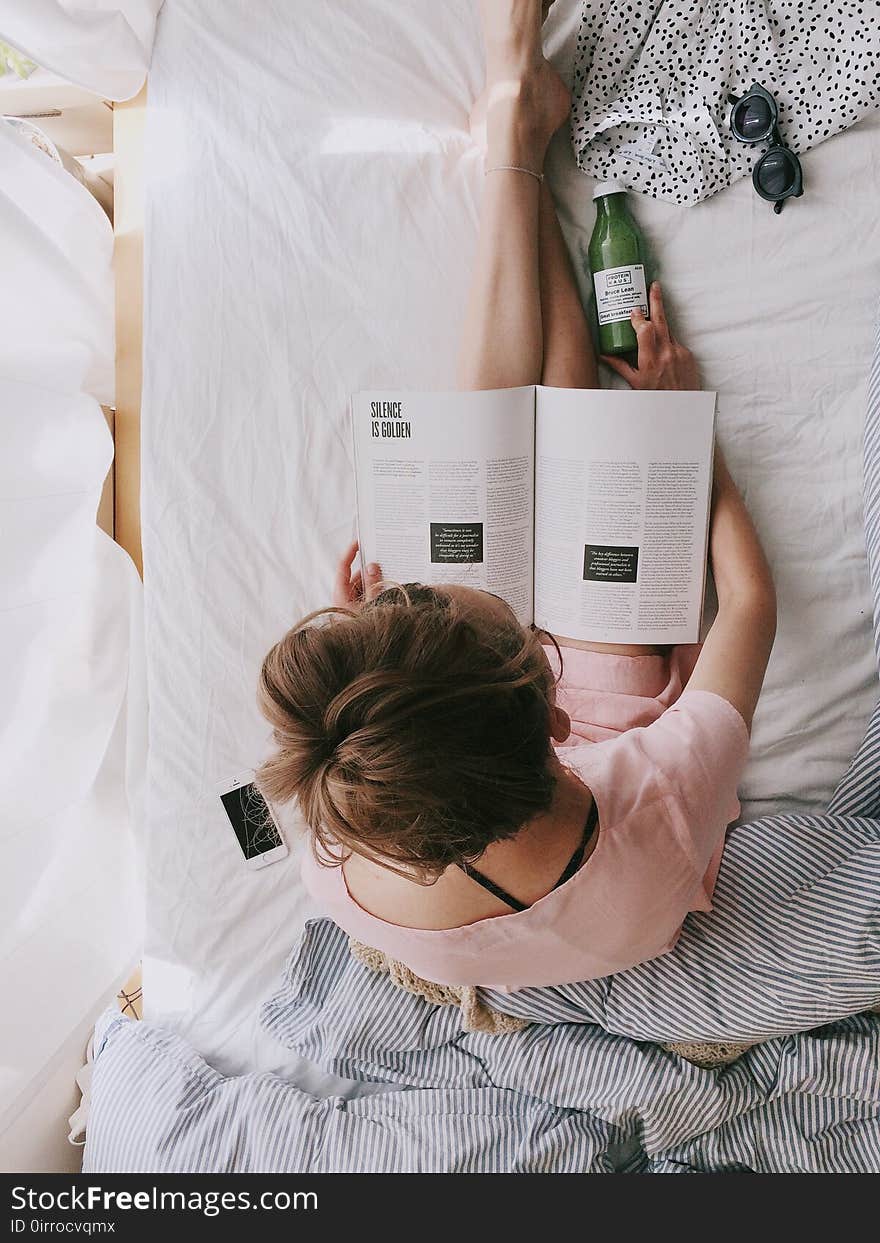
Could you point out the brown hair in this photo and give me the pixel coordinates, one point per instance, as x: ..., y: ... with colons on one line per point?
x: 414, y: 731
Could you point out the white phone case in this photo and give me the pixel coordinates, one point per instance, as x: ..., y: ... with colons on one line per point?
x: 264, y: 858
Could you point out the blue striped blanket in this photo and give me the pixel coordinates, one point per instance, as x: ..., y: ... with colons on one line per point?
x: 789, y: 957
x: 552, y: 1098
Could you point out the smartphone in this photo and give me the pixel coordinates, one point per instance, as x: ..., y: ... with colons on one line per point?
x: 252, y: 822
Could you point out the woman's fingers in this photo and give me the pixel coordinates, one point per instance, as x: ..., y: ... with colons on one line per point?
x: 352, y: 588
x: 662, y: 363
x: 646, y: 332
x: 348, y: 557
x: 623, y: 369
x: 648, y: 341
x: 658, y: 310
x: 342, y: 581
x: 372, y: 579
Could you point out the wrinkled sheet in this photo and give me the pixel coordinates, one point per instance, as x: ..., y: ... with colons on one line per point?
x: 72, y: 668
x: 312, y: 196
x: 103, y: 45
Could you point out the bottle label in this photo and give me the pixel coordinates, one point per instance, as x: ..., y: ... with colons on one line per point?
x: 618, y: 291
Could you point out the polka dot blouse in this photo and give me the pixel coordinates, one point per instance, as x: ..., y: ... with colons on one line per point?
x: 653, y: 79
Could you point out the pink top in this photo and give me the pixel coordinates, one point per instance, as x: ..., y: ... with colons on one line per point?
x: 665, y: 793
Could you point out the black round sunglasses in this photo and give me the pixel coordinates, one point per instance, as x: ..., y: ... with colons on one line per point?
x: 778, y: 175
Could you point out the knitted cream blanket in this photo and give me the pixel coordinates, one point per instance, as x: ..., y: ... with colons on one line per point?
x: 476, y: 1016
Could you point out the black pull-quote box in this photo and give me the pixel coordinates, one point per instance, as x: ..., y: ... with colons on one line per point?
x: 604, y: 563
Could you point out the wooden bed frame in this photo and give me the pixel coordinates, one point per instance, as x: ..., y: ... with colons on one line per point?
x: 120, y: 512
x: 128, y: 263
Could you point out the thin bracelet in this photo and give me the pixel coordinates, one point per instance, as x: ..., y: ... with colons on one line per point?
x: 513, y: 168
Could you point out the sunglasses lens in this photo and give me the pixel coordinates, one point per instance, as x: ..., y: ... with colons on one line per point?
x: 752, y: 118
x: 776, y: 173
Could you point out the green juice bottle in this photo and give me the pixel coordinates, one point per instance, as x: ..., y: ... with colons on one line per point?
x: 617, y: 262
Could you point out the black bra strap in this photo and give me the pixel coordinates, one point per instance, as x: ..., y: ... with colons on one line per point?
x: 572, y: 866
x: 472, y: 872
x: 578, y: 857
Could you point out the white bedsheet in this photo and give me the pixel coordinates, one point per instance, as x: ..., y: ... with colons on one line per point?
x: 312, y: 205
x: 103, y: 45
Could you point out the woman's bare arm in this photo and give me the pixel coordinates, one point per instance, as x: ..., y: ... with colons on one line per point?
x: 737, y: 648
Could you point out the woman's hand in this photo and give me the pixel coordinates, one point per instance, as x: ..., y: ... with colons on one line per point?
x: 350, y: 590
x: 662, y: 362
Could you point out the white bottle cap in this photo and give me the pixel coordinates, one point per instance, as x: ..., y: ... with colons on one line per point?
x: 608, y: 187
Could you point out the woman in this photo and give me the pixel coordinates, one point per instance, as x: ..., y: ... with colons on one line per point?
x: 466, y: 820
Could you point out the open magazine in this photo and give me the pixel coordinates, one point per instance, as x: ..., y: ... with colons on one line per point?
x: 586, y: 510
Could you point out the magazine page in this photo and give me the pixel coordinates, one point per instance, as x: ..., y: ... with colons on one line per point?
x: 445, y: 487
x: 622, y: 497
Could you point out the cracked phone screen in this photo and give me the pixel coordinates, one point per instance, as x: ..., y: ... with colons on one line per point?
x: 250, y: 818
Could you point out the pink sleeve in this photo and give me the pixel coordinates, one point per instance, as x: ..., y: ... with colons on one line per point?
x: 701, y: 744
